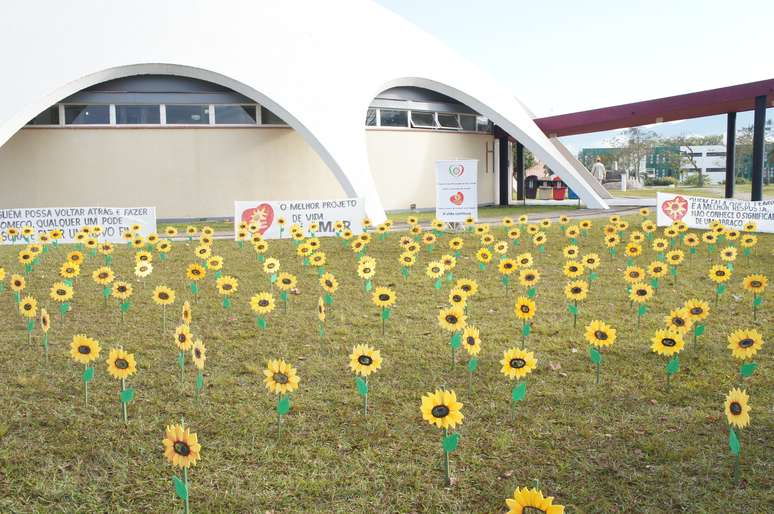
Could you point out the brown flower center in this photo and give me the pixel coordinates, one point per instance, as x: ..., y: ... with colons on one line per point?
x: 280, y: 378
x: 517, y: 363
x: 668, y: 342
x: 181, y: 448
x: 746, y: 343
x: 121, y: 363
x: 84, y: 349
x: 365, y: 360
x: 601, y: 335
x: 735, y: 408
x: 440, y: 411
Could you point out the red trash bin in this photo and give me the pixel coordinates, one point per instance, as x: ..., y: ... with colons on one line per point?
x: 560, y: 190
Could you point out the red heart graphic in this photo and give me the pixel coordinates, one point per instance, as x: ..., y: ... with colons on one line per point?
x: 676, y: 208
x: 263, y: 215
x: 457, y: 198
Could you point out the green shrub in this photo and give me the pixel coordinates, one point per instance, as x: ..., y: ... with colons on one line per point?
x: 660, y: 181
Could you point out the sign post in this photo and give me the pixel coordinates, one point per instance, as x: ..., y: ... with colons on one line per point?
x: 456, y: 190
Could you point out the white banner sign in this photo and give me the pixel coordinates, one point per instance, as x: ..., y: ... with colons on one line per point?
x: 302, y: 212
x: 699, y: 212
x: 113, y: 220
x: 456, y: 190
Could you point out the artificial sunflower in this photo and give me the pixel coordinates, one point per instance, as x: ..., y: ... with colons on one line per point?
x: 539, y: 239
x: 641, y: 292
x: 599, y: 334
x: 45, y: 320
x: 181, y: 446
x: 215, y: 263
x: 69, y: 270
x: 227, y: 285
x: 675, y: 257
x: 383, y: 297
x: 634, y: 274
x: 570, y: 251
x: 434, y: 269
x: 183, y: 337
x: 317, y: 259
x: 755, y: 284
x: 280, y: 377
x: 573, y: 269
x: 517, y: 363
x: 657, y: 269
x: 198, y: 354
x: 745, y: 343
x: 28, y: 307
x: 25, y: 257
x: 667, y: 342
x: 186, y: 315
x: 529, y: 277
x: 18, y: 283
x: 122, y: 290
x: 728, y: 254
x: 442, y: 409
x: 507, y: 266
x: 271, y: 265
x: 484, y: 256
x: 329, y: 283
x: 487, y: 239
x: 286, y: 281
x: 75, y: 258
x: 320, y: 309
x: 679, y: 320
x: 636, y: 237
x: 61, y: 292
x: 103, y: 275
x: 471, y: 340
x: 748, y: 241
x: 262, y: 303
x: 457, y: 298
x: 524, y: 308
x: 407, y: 259
x: 697, y: 309
x: 719, y: 273
x: 203, y: 251
x: 660, y: 245
x: 452, y: 319
x: 121, y: 364
x: 737, y: 408
x: 576, y: 290
x: 364, y: 360
x: 84, y: 349
x: 468, y: 286
x: 501, y: 247
x: 163, y: 295
x: 585, y: 224
x: 591, y: 261
x: 195, y: 272
x: 142, y: 270
x: 633, y: 250
x: 532, y: 501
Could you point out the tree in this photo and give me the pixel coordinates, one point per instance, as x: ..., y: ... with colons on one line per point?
x: 634, y: 145
x: 682, y: 155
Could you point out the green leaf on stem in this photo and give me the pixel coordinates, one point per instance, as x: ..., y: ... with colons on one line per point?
x: 386, y: 314
x: 456, y: 340
x: 642, y: 310
x: 721, y: 288
x: 473, y: 364
x: 450, y: 442
x: 673, y: 365
x: 698, y: 330
x: 747, y: 369
x: 199, y: 381
x: 733, y: 442
x: 283, y: 406
x: 438, y: 283
x: 180, y: 488
x: 362, y: 386
x: 594, y: 355
x: 127, y: 395
x: 519, y: 392
x: 88, y: 374
x: 283, y: 296
x: 572, y: 308
x: 526, y: 328
x: 757, y: 300
x: 531, y: 292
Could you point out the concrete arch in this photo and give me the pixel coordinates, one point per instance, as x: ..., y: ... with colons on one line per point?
x: 97, y: 77
x: 507, y: 114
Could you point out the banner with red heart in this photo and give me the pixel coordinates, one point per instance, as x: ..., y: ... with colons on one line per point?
x: 262, y: 214
x: 676, y: 208
x: 457, y: 198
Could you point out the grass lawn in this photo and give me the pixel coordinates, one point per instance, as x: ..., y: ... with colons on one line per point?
x: 624, y: 446
x: 741, y: 191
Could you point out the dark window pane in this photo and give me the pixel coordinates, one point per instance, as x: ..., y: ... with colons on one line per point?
x: 269, y: 118
x: 48, y: 117
x: 137, y: 115
x: 449, y: 121
x: 371, y: 118
x: 235, y: 114
x: 483, y: 124
x: 716, y: 154
x: 467, y: 122
x: 87, y: 114
x: 391, y: 118
x: 188, y: 114
x: 422, y: 119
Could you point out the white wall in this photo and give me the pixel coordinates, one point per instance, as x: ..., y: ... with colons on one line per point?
x: 198, y: 172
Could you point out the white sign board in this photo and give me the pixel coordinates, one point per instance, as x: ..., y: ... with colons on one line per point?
x: 113, y: 220
x: 302, y: 212
x: 456, y: 190
x: 699, y: 212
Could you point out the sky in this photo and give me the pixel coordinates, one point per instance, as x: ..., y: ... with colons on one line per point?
x: 566, y: 55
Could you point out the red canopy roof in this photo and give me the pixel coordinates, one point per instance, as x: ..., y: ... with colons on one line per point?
x: 692, y: 105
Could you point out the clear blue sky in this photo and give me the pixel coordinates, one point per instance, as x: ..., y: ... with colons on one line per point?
x: 568, y: 55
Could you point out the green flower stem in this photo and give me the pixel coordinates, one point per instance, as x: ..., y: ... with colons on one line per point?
x: 736, y: 469
x: 598, y: 365
x: 365, y: 399
x: 279, y: 418
x: 123, y: 404
x: 186, y: 506
x: 182, y: 367
x: 446, y: 459
x: 86, y: 385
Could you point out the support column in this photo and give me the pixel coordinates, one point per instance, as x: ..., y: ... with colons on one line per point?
x: 520, y: 170
x: 757, y: 150
x: 504, y: 172
x: 730, y: 154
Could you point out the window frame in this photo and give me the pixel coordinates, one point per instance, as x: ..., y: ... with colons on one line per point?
x: 414, y: 125
x: 256, y: 107
x: 63, y: 120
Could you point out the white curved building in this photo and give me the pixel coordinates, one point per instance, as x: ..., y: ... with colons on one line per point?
x: 189, y: 105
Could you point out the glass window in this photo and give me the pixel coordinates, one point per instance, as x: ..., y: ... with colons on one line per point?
x: 138, y: 115
x: 269, y: 118
x: 449, y: 121
x: 467, y: 122
x: 716, y: 154
x: 393, y: 118
x: 483, y: 124
x: 422, y: 119
x: 87, y: 114
x: 235, y: 114
x: 48, y: 117
x: 188, y: 114
x: 371, y: 118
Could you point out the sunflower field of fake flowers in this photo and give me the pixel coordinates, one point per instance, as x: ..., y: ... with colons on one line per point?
x: 598, y: 364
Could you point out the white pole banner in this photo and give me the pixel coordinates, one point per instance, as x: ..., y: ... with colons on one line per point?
x: 325, y: 213
x: 456, y: 190
x: 699, y: 212
x: 113, y: 220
